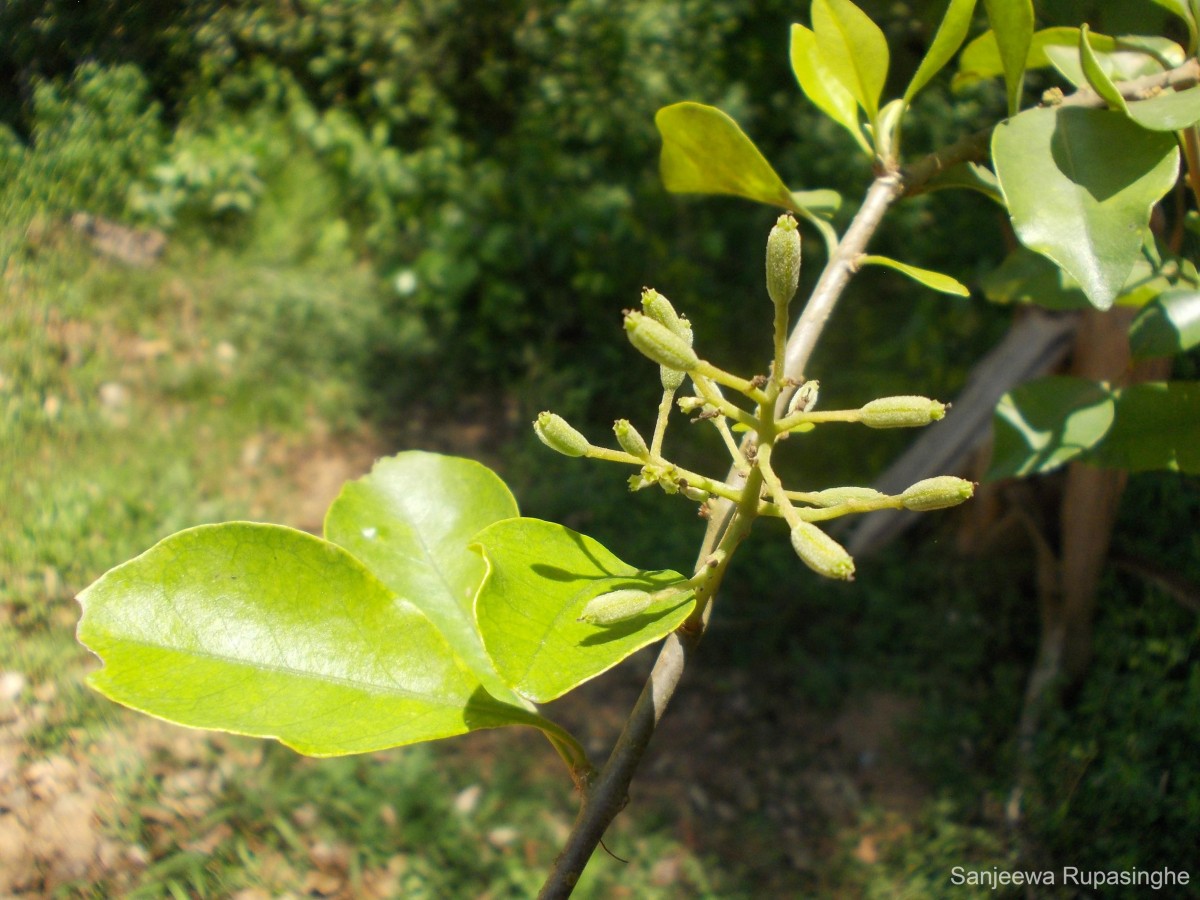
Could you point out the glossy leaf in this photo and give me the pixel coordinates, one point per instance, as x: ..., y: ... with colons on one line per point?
x: 267, y: 631
x: 1076, y: 202
x: 411, y: 522
x: 980, y: 59
x: 821, y: 86
x: 1096, y: 75
x: 950, y: 34
x: 935, y: 280
x: 1012, y: 25
x: 1169, y: 325
x: 1028, y: 277
x: 705, y: 152
x: 1169, y: 111
x: 1046, y: 423
x: 1157, y: 427
x: 540, y: 578
x: 855, y: 50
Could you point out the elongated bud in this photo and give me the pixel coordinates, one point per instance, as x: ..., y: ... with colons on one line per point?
x: 629, y: 439
x: 783, y: 261
x: 938, y: 493
x: 901, y: 412
x: 659, y: 343
x: 835, y: 496
x: 557, y: 434
x: 821, y: 553
x: 672, y: 379
x: 659, y: 308
x: 805, y: 397
x: 616, y: 606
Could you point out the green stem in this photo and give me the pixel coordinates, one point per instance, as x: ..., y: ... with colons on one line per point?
x: 660, y: 426
x: 720, y: 376
x: 713, y: 398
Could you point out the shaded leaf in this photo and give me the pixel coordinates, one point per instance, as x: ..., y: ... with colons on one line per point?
x: 854, y: 49
x: 1169, y: 325
x: 967, y: 176
x: 950, y: 34
x: 540, y: 577
x: 705, y: 152
x: 267, y: 631
x: 822, y: 202
x: 931, y: 279
x: 1076, y: 202
x: 1157, y: 426
x: 1046, y: 423
x: 411, y: 522
x: 821, y: 86
x: 1012, y: 25
x: 980, y: 59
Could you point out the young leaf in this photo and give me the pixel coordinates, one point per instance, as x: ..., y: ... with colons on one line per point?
x: 935, y: 280
x: 705, y: 152
x: 267, y: 631
x: 1046, y: 423
x: 540, y: 578
x: 1157, y: 426
x: 1095, y: 74
x: 1012, y: 24
x: 950, y: 35
x: 980, y: 59
x: 411, y: 522
x: 1073, y: 200
x: 822, y: 202
x: 967, y: 176
x: 821, y: 86
x: 1169, y: 325
x: 855, y: 50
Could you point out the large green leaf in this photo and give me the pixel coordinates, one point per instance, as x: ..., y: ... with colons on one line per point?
x: 411, y: 522
x: 1074, y: 200
x: 1046, y: 423
x: 540, y: 577
x: 855, y: 50
x: 271, y: 632
x: 1012, y: 24
x: 1169, y: 111
x: 821, y: 86
x: 950, y: 35
x: 1157, y: 427
x: 705, y: 152
x: 1169, y: 325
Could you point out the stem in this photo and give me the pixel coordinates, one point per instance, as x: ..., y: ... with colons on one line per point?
x: 660, y: 426
x: 720, y: 376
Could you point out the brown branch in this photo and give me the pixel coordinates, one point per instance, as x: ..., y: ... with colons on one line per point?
x: 609, y: 792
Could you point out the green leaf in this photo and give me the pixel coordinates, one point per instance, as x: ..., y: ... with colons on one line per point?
x: 1028, y: 277
x: 950, y: 35
x: 1012, y: 24
x: 967, y: 176
x: 855, y: 50
x: 822, y: 202
x: 927, y: 277
x: 1119, y: 59
x: 540, y: 577
x: 411, y: 522
x: 1096, y: 76
x: 705, y: 152
x: 1157, y: 426
x: 1182, y: 9
x: 1046, y: 423
x: 1076, y: 202
x: 821, y: 86
x: 980, y: 59
x: 1169, y: 325
x: 1169, y: 111
x: 271, y: 632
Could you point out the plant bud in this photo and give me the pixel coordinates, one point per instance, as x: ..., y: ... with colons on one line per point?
x: 938, y: 493
x: 901, y: 412
x: 672, y: 379
x: 690, y: 404
x: 659, y: 308
x: 659, y: 343
x: 834, y: 496
x: 805, y: 397
x: 629, y: 439
x: 783, y: 261
x: 616, y: 606
x: 821, y: 553
x: 556, y: 434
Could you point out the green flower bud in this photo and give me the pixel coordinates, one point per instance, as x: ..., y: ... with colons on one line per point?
x: 659, y: 308
x: 783, y: 261
x: 901, y: 412
x: 938, y: 493
x: 835, y: 496
x: 659, y: 343
x: 805, y: 397
x: 629, y: 439
x: 616, y: 606
x: 672, y: 379
x: 821, y: 553
x: 556, y: 434
x: 689, y: 404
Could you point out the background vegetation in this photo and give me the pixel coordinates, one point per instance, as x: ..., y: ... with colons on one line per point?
x: 395, y: 225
